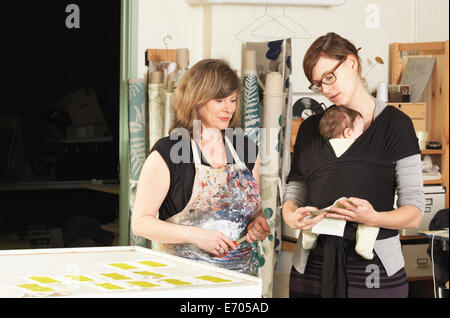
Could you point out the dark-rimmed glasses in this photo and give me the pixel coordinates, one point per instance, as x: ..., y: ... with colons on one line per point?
x: 327, y: 79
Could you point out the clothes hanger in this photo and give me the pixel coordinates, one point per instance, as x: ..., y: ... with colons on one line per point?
x: 295, y: 23
x: 260, y: 31
x: 255, y: 23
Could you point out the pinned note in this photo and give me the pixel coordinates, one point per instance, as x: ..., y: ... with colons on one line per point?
x: 36, y: 288
x: 152, y: 263
x: 143, y: 284
x: 213, y: 279
x: 79, y: 278
x: 44, y: 279
x: 109, y: 286
x: 152, y: 274
x: 174, y: 281
x: 122, y: 266
x: 115, y: 276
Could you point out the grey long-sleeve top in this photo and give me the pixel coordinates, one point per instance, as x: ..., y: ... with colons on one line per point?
x: 409, y: 191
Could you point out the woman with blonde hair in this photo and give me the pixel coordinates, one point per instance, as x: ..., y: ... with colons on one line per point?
x: 204, y: 178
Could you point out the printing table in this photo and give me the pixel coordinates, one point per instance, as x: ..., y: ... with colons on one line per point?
x: 129, y: 271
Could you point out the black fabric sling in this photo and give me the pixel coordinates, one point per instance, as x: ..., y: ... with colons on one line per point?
x: 366, y: 171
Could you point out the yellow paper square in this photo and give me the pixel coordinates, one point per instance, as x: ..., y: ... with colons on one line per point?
x: 176, y: 282
x: 147, y: 273
x: 152, y: 263
x: 36, y: 288
x: 143, y: 284
x: 79, y: 278
x: 213, y: 279
x: 123, y: 266
x: 116, y: 276
x: 109, y: 286
x: 44, y: 279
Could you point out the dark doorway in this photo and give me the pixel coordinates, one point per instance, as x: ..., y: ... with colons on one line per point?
x: 60, y: 120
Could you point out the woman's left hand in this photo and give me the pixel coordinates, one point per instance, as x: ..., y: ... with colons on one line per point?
x: 357, y: 210
x: 258, y: 229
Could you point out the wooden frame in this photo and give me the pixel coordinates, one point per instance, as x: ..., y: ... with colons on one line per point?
x: 436, y: 94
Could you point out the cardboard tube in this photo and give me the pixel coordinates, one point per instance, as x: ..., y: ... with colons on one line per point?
x: 156, y: 77
x: 183, y: 58
x: 274, y: 84
x: 250, y: 62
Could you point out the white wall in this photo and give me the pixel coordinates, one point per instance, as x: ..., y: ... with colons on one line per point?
x: 157, y: 18
x: 370, y: 24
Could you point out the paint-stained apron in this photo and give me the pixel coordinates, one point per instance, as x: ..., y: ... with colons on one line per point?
x: 223, y: 199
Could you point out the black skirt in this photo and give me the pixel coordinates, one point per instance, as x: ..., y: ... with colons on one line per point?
x: 365, y: 278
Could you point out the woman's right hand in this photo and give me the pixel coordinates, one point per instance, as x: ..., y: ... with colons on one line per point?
x: 300, y: 218
x: 214, y: 242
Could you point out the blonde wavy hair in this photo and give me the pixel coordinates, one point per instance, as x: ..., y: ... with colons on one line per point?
x: 207, y: 80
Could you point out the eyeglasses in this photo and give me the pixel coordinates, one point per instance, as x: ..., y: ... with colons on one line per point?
x: 327, y: 79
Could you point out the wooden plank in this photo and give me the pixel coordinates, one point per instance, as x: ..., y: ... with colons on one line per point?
x: 161, y: 55
x: 413, y: 110
x: 108, y: 188
x: 437, y: 181
x: 396, y: 63
x: 423, y: 47
x: 288, y: 246
x: 433, y: 151
x: 419, y: 124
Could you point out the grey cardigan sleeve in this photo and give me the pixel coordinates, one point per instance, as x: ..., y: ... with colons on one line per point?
x: 410, y: 190
x: 297, y: 191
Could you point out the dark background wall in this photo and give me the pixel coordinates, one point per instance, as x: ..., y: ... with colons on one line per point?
x: 46, y: 61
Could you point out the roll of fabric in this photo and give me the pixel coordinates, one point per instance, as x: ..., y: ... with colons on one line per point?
x: 168, y: 113
x: 252, y: 108
x: 272, y: 119
x: 273, y: 56
x: 156, y: 100
x: 270, y: 161
x: 137, y: 136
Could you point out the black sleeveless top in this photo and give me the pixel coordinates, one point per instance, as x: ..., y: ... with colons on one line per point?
x: 366, y: 170
x: 182, y: 173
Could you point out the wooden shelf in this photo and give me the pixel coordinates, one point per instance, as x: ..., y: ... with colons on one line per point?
x: 108, y: 188
x: 413, y: 279
x: 435, y: 95
x: 288, y: 246
x: 433, y: 152
x: 437, y: 181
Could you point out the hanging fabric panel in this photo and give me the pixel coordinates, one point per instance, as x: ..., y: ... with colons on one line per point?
x: 251, y: 105
x: 156, y: 101
x: 137, y: 137
x: 273, y: 56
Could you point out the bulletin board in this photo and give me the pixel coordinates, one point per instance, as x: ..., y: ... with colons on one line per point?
x: 130, y: 271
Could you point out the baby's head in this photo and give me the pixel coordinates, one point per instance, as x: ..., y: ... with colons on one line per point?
x: 341, y: 122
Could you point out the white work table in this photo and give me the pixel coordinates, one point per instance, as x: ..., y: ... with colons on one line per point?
x: 129, y: 271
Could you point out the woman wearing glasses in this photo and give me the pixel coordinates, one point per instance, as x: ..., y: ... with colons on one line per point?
x: 385, y: 159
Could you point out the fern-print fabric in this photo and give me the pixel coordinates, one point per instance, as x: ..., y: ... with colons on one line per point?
x: 252, y: 107
x: 137, y: 131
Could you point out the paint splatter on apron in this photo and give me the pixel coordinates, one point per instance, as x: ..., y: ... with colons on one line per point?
x: 223, y: 199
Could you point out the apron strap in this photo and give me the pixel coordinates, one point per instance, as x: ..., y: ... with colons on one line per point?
x: 196, y: 156
x: 195, y: 152
x: 233, y: 151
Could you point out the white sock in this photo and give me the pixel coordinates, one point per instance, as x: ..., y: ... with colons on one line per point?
x: 365, y: 240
